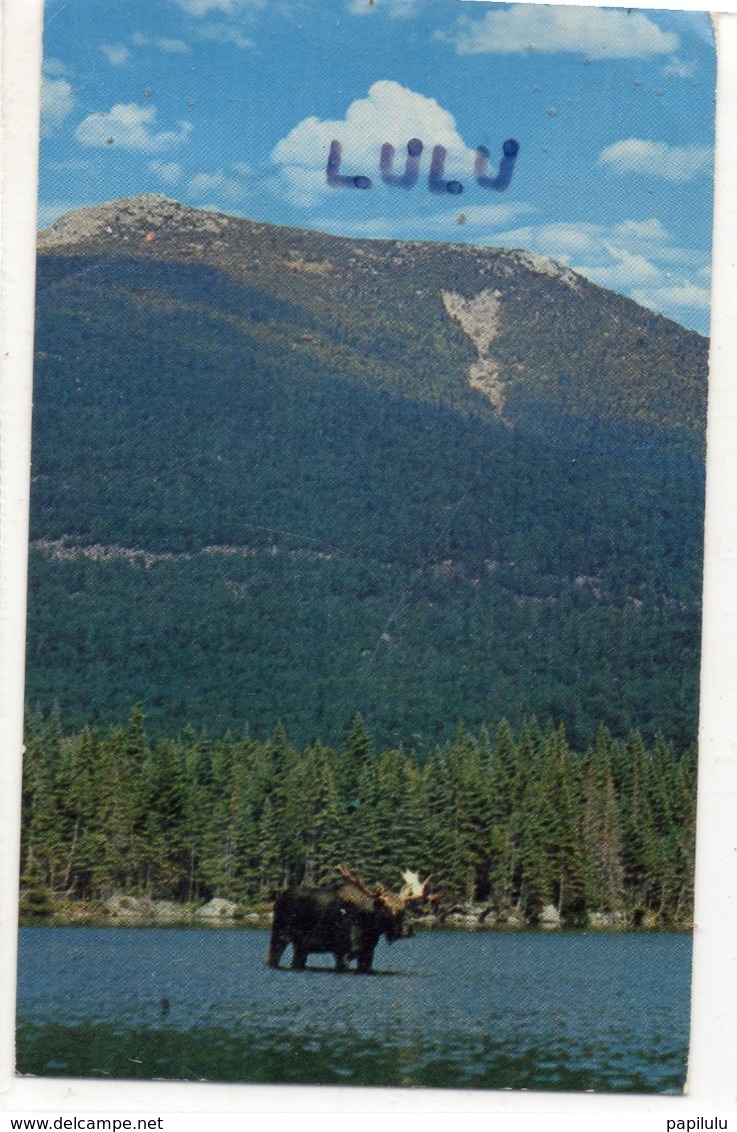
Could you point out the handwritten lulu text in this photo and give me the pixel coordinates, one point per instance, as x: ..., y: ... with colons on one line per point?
x: 435, y: 179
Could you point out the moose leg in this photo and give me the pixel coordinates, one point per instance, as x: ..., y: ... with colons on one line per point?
x: 277, y: 944
x: 299, y: 956
x: 365, y: 960
x: 341, y: 963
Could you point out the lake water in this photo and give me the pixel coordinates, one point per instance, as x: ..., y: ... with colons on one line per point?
x: 528, y: 1010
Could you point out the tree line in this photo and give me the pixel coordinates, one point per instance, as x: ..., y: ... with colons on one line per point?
x: 513, y: 819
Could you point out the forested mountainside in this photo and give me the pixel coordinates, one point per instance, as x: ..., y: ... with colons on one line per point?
x: 284, y: 477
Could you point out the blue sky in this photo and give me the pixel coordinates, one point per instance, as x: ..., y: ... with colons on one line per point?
x: 233, y: 104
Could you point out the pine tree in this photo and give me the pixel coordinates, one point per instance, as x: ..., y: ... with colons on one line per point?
x: 323, y: 830
x: 358, y: 754
x: 447, y: 862
x: 168, y: 820
x: 602, y: 831
x: 642, y: 856
x: 474, y: 809
x: 216, y: 834
x: 271, y: 866
x: 365, y: 824
x: 414, y: 837
x: 566, y: 850
x: 136, y: 799
x: 42, y: 852
x: 684, y: 806
x: 246, y: 801
x: 506, y: 786
x: 533, y: 828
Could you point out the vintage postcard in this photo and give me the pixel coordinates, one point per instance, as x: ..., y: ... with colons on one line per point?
x: 366, y: 544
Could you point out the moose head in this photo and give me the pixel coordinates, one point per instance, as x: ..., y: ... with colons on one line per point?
x: 388, y: 907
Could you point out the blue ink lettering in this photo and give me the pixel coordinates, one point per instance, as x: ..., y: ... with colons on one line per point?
x: 333, y: 173
x: 435, y: 179
x: 408, y: 179
x: 510, y: 149
x: 435, y: 182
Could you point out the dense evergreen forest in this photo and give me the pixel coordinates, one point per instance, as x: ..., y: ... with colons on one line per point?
x: 517, y: 820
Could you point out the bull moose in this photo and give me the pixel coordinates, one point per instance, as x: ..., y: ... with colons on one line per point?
x: 347, y: 919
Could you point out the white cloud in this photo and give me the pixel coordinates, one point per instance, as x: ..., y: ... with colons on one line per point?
x: 635, y: 257
x: 168, y: 171
x: 170, y: 46
x: 483, y: 216
x: 400, y: 10
x: 685, y: 294
x: 302, y: 187
x: 225, y: 33
x: 476, y: 224
x: 643, y: 230
x: 225, y: 21
x: 57, y: 101
x: 49, y: 211
x: 54, y: 68
x: 657, y: 159
x: 681, y: 68
x: 566, y: 239
x: 594, y: 242
x: 219, y: 184
x: 130, y: 126
x: 603, y: 33
x: 204, y: 7
x: 626, y: 269
x: 397, y: 9
x: 390, y: 113
x: 222, y: 7
x: 117, y: 54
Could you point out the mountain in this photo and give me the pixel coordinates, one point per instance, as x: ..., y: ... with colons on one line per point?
x: 285, y: 476
x: 485, y: 331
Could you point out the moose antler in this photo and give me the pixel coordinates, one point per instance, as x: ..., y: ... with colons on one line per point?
x: 414, y: 888
x: 390, y: 899
x: 354, y: 878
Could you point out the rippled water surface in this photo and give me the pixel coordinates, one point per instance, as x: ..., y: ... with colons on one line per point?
x: 448, y: 1009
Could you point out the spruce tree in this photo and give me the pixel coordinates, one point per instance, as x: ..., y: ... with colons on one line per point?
x: 42, y: 840
x: 567, y: 848
x: 602, y: 831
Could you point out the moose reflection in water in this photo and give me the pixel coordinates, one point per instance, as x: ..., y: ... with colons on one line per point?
x: 347, y: 919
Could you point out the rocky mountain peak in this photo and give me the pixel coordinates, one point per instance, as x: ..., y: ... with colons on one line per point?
x: 146, y: 214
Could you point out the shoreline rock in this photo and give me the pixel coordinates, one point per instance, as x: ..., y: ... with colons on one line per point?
x: 217, y: 909
x: 122, y: 910
x: 609, y: 921
x: 549, y: 919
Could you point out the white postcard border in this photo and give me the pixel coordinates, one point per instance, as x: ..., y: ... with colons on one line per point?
x: 712, y: 1081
